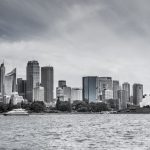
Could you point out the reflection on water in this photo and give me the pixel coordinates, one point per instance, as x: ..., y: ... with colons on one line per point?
x: 75, y: 131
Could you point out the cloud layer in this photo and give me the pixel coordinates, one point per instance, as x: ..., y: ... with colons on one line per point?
x: 78, y: 37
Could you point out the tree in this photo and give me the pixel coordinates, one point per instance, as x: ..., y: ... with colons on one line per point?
x: 37, y: 107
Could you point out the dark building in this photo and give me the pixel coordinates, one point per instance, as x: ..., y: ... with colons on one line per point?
x: 89, y: 88
x: 33, y: 76
x: 2, y: 79
x: 61, y: 83
x: 137, y: 94
x: 21, y: 87
x: 116, y: 88
x: 47, y: 81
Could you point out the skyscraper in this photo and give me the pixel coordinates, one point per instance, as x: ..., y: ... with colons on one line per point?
x: 47, y: 81
x: 2, y: 79
x: 90, y: 88
x: 122, y: 99
x: 126, y: 87
x: 137, y: 93
x: 33, y: 76
x: 21, y: 86
x: 104, y: 83
x: 115, y: 89
x: 10, y: 82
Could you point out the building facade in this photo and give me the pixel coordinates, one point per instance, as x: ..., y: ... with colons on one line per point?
x: 63, y: 93
x: 21, y: 87
x: 76, y: 94
x: 137, y: 94
x: 61, y: 83
x: 33, y: 77
x: 38, y: 93
x: 126, y: 87
x: 10, y: 82
x: 116, y: 88
x: 47, y: 81
x: 107, y: 94
x: 123, y: 99
x: 90, y: 88
x: 104, y: 83
x: 2, y: 79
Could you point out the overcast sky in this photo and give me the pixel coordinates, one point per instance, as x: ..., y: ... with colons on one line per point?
x: 78, y: 38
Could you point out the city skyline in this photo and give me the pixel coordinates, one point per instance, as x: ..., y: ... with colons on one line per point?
x: 78, y: 39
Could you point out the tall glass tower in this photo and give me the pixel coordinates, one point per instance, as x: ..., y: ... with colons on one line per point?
x: 33, y: 77
x: 89, y: 88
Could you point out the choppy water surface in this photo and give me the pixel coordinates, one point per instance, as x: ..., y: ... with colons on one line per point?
x: 75, y: 131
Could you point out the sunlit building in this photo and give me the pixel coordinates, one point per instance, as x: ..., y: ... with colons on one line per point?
x: 76, y: 94
x: 38, y: 93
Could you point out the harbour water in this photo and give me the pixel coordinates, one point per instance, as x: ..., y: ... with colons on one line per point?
x: 75, y: 132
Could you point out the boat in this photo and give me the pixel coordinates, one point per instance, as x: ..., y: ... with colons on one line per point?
x: 17, y: 112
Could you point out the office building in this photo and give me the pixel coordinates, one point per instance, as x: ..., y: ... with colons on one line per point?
x: 104, y: 83
x: 123, y: 99
x: 10, y: 82
x: 107, y: 94
x: 126, y: 87
x: 90, y: 88
x: 63, y: 93
x: 21, y: 87
x: 61, y: 83
x: 47, y: 81
x: 2, y: 79
x: 116, y: 88
x: 38, y: 93
x: 76, y: 94
x: 137, y: 94
x: 32, y: 76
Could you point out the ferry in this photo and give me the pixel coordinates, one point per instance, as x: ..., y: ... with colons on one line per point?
x: 17, y: 112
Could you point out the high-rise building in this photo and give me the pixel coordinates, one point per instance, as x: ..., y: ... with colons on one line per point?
x: 104, y: 83
x: 2, y: 79
x: 33, y: 77
x: 38, y: 93
x: 115, y: 89
x: 126, y: 87
x: 10, y: 82
x: 107, y: 94
x: 137, y: 93
x: 61, y: 83
x: 47, y: 81
x: 76, y: 94
x: 122, y: 95
x: 21, y: 87
x: 63, y: 93
x: 90, y: 88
